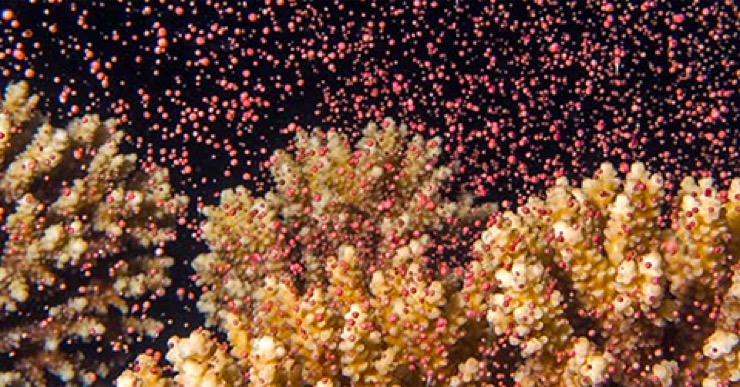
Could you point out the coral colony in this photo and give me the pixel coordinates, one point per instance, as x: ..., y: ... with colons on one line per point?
x: 369, y: 193
x: 575, y: 288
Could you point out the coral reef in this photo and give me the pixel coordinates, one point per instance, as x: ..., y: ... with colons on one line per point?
x: 83, y: 232
x: 332, y: 278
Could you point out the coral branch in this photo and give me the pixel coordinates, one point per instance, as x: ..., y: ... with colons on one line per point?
x: 80, y: 231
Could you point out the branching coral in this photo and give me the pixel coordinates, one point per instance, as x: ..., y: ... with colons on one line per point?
x: 332, y: 270
x: 376, y: 197
x: 630, y: 275
x: 329, y: 279
x: 80, y: 230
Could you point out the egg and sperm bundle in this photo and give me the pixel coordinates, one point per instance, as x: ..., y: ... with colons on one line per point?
x: 358, y: 268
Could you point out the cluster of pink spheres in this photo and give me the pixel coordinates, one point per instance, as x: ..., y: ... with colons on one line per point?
x: 522, y: 91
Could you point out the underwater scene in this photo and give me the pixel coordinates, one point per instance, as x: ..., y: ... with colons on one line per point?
x: 369, y: 193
